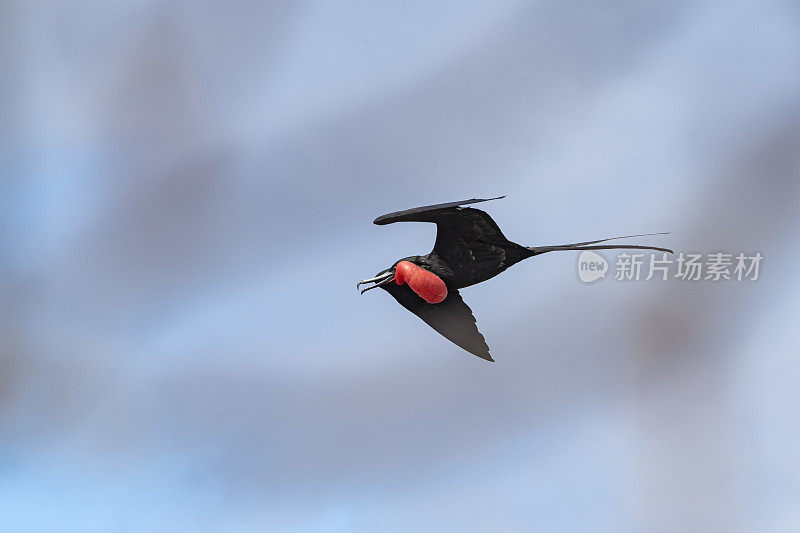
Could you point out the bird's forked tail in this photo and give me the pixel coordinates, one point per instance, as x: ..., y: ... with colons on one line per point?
x: 588, y: 245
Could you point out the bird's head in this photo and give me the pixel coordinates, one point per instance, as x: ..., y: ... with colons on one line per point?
x: 425, y: 283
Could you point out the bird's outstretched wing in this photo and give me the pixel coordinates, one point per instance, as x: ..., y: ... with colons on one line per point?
x: 467, y: 239
x: 452, y: 318
x: 426, y: 213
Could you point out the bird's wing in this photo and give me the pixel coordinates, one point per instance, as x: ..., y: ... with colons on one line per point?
x: 452, y: 318
x: 426, y: 213
x: 467, y: 239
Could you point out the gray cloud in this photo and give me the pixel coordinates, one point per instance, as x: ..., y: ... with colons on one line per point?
x: 183, y: 332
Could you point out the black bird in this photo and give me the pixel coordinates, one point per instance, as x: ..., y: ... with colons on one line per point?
x: 469, y: 249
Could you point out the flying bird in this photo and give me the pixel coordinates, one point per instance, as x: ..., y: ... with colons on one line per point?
x: 469, y: 249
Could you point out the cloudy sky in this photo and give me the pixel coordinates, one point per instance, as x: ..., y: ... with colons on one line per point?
x: 186, y: 200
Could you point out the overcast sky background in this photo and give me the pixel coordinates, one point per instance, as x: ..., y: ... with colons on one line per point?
x: 186, y: 200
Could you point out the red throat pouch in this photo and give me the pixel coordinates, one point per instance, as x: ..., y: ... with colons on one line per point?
x: 427, y: 285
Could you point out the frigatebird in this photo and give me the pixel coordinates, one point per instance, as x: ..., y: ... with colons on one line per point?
x: 469, y: 249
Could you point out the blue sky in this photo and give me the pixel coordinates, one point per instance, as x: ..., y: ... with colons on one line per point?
x: 186, y: 206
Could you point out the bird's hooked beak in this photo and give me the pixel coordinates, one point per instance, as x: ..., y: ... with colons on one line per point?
x: 381, y: 279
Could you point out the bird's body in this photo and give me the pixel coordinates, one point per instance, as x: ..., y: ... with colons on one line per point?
x: 469, y: 249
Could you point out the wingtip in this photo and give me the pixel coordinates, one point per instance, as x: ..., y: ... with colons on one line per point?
x: 485, y: 357
x: 477, y: 200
